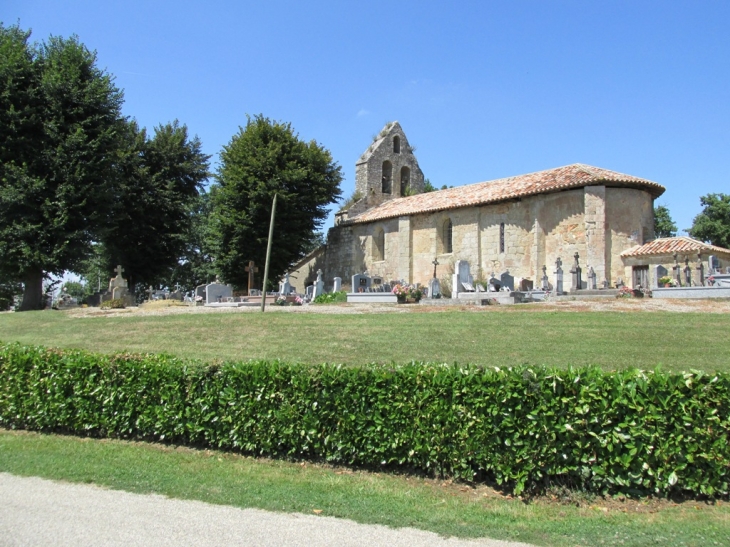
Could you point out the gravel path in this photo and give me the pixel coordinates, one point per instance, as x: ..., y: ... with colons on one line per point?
x: 36, y: 512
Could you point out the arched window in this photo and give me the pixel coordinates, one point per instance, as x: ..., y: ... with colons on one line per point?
x: 501, y: 237
x: 447, y: 237
x: 387, y: 177
x: 405, y: 181
x: 379, y: 245
x: 396, y: 145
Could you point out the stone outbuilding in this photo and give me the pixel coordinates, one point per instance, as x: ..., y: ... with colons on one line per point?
x: 672, y: 257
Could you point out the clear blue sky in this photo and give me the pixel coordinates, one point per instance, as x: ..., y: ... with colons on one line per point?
x: 484, y: 89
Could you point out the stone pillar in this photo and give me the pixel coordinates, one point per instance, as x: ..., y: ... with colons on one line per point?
x: 405, y: 255
x: 594, y: 204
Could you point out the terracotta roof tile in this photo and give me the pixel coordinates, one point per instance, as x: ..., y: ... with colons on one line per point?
x: 671, y: 245
x: 542, y: 182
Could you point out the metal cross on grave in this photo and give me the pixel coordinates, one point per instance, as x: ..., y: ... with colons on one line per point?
x: 435, y: 263
x: 251, y: 269
x: 119, y: 270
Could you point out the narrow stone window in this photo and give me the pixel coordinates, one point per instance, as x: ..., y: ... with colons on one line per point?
x: 387, y: 177
x: 379, y: 246
x: 448, y: 236
x: 396, y: 145
x: 501, y: 238
x: 405, y: 181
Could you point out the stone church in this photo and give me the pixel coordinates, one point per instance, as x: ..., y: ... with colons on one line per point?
x: 394, y: 230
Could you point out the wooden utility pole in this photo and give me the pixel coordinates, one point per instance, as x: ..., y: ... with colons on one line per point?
x: 268, y: 254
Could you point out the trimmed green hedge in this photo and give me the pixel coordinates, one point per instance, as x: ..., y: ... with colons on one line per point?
x: 630, y: 431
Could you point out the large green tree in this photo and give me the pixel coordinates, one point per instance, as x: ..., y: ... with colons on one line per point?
x: 713, y: 223
x: 155, y: 196
x: 664, y: 226
x: 263, y: 159
x: 60, y: 117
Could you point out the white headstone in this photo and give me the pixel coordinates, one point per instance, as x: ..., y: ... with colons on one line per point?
x: 318, y: 285
x: 337, y: 284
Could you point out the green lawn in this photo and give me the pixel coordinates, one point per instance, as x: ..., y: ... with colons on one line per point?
x: 453, y: 510
x: 677, y: 341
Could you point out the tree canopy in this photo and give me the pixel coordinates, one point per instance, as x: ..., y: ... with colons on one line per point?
x: 155, y: 192
x: 60, y: 116
x: 263, y: 159
x: 713, y: 223
x: 664, y: 226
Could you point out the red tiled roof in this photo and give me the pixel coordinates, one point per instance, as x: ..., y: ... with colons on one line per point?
x: 671, y: 245
x: 482, y: 193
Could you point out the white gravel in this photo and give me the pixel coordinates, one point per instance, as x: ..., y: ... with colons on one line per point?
x: 39, y: 512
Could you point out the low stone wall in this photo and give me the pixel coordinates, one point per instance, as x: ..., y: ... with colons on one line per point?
x: 371, y: 297
x: 692, y: 292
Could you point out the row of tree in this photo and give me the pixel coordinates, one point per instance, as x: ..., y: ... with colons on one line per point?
x: 83, y: 188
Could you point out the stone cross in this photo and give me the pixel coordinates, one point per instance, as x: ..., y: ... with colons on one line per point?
x: 149, y: 292
x: 251, y: 269
x: 576, y: 271
x: 119, y: 270
x: 700, y: 270
x: 559, y: 276
x: 687, y: 272
x: 677, y: 270
x: 545, y: 281
x: 435, y: 263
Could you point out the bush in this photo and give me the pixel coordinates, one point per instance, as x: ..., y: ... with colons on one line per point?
x: 627, y: 432
x: 331, y: 298
x: 114, y: 303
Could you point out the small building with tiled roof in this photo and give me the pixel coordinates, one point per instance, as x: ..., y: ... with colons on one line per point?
x: 686, y: 260
x: 394, y: 230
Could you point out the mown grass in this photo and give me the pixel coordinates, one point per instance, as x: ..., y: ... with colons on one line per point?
x: 377, y: 498
x: 611, y: 340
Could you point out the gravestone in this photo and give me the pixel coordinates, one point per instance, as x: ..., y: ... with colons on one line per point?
x: 251, y: 269
x: 176, y: 295
x: 361, y: 283
x: 494, y: 284
x: 308, y: 292
x: 199, y: 295
x: 558, y: 276
x: 714, y: 264
x: 507, y: 281
x: 576, y: 270
x: 687, y: 272
x: 285, y: 286
x: 545, y: 282
x: 318, y: 285
x: 677, y: 271
x: 217, y: 292
x: 150, y: 293
x: 592, y: 285
x: 659, y: 272
x: 526, y: 285
x: 434, y: 288
x: 461, y: 276
x: 337, y: 284
x: 700, y: 271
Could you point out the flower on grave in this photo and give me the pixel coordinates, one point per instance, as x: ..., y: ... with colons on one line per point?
x: 401, y: 290
x: 298, y: 301
x: 415, y: 292
x: 281, y: 301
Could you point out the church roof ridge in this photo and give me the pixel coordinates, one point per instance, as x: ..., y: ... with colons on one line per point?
x: 576, y: 175
x: 671, y: 245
